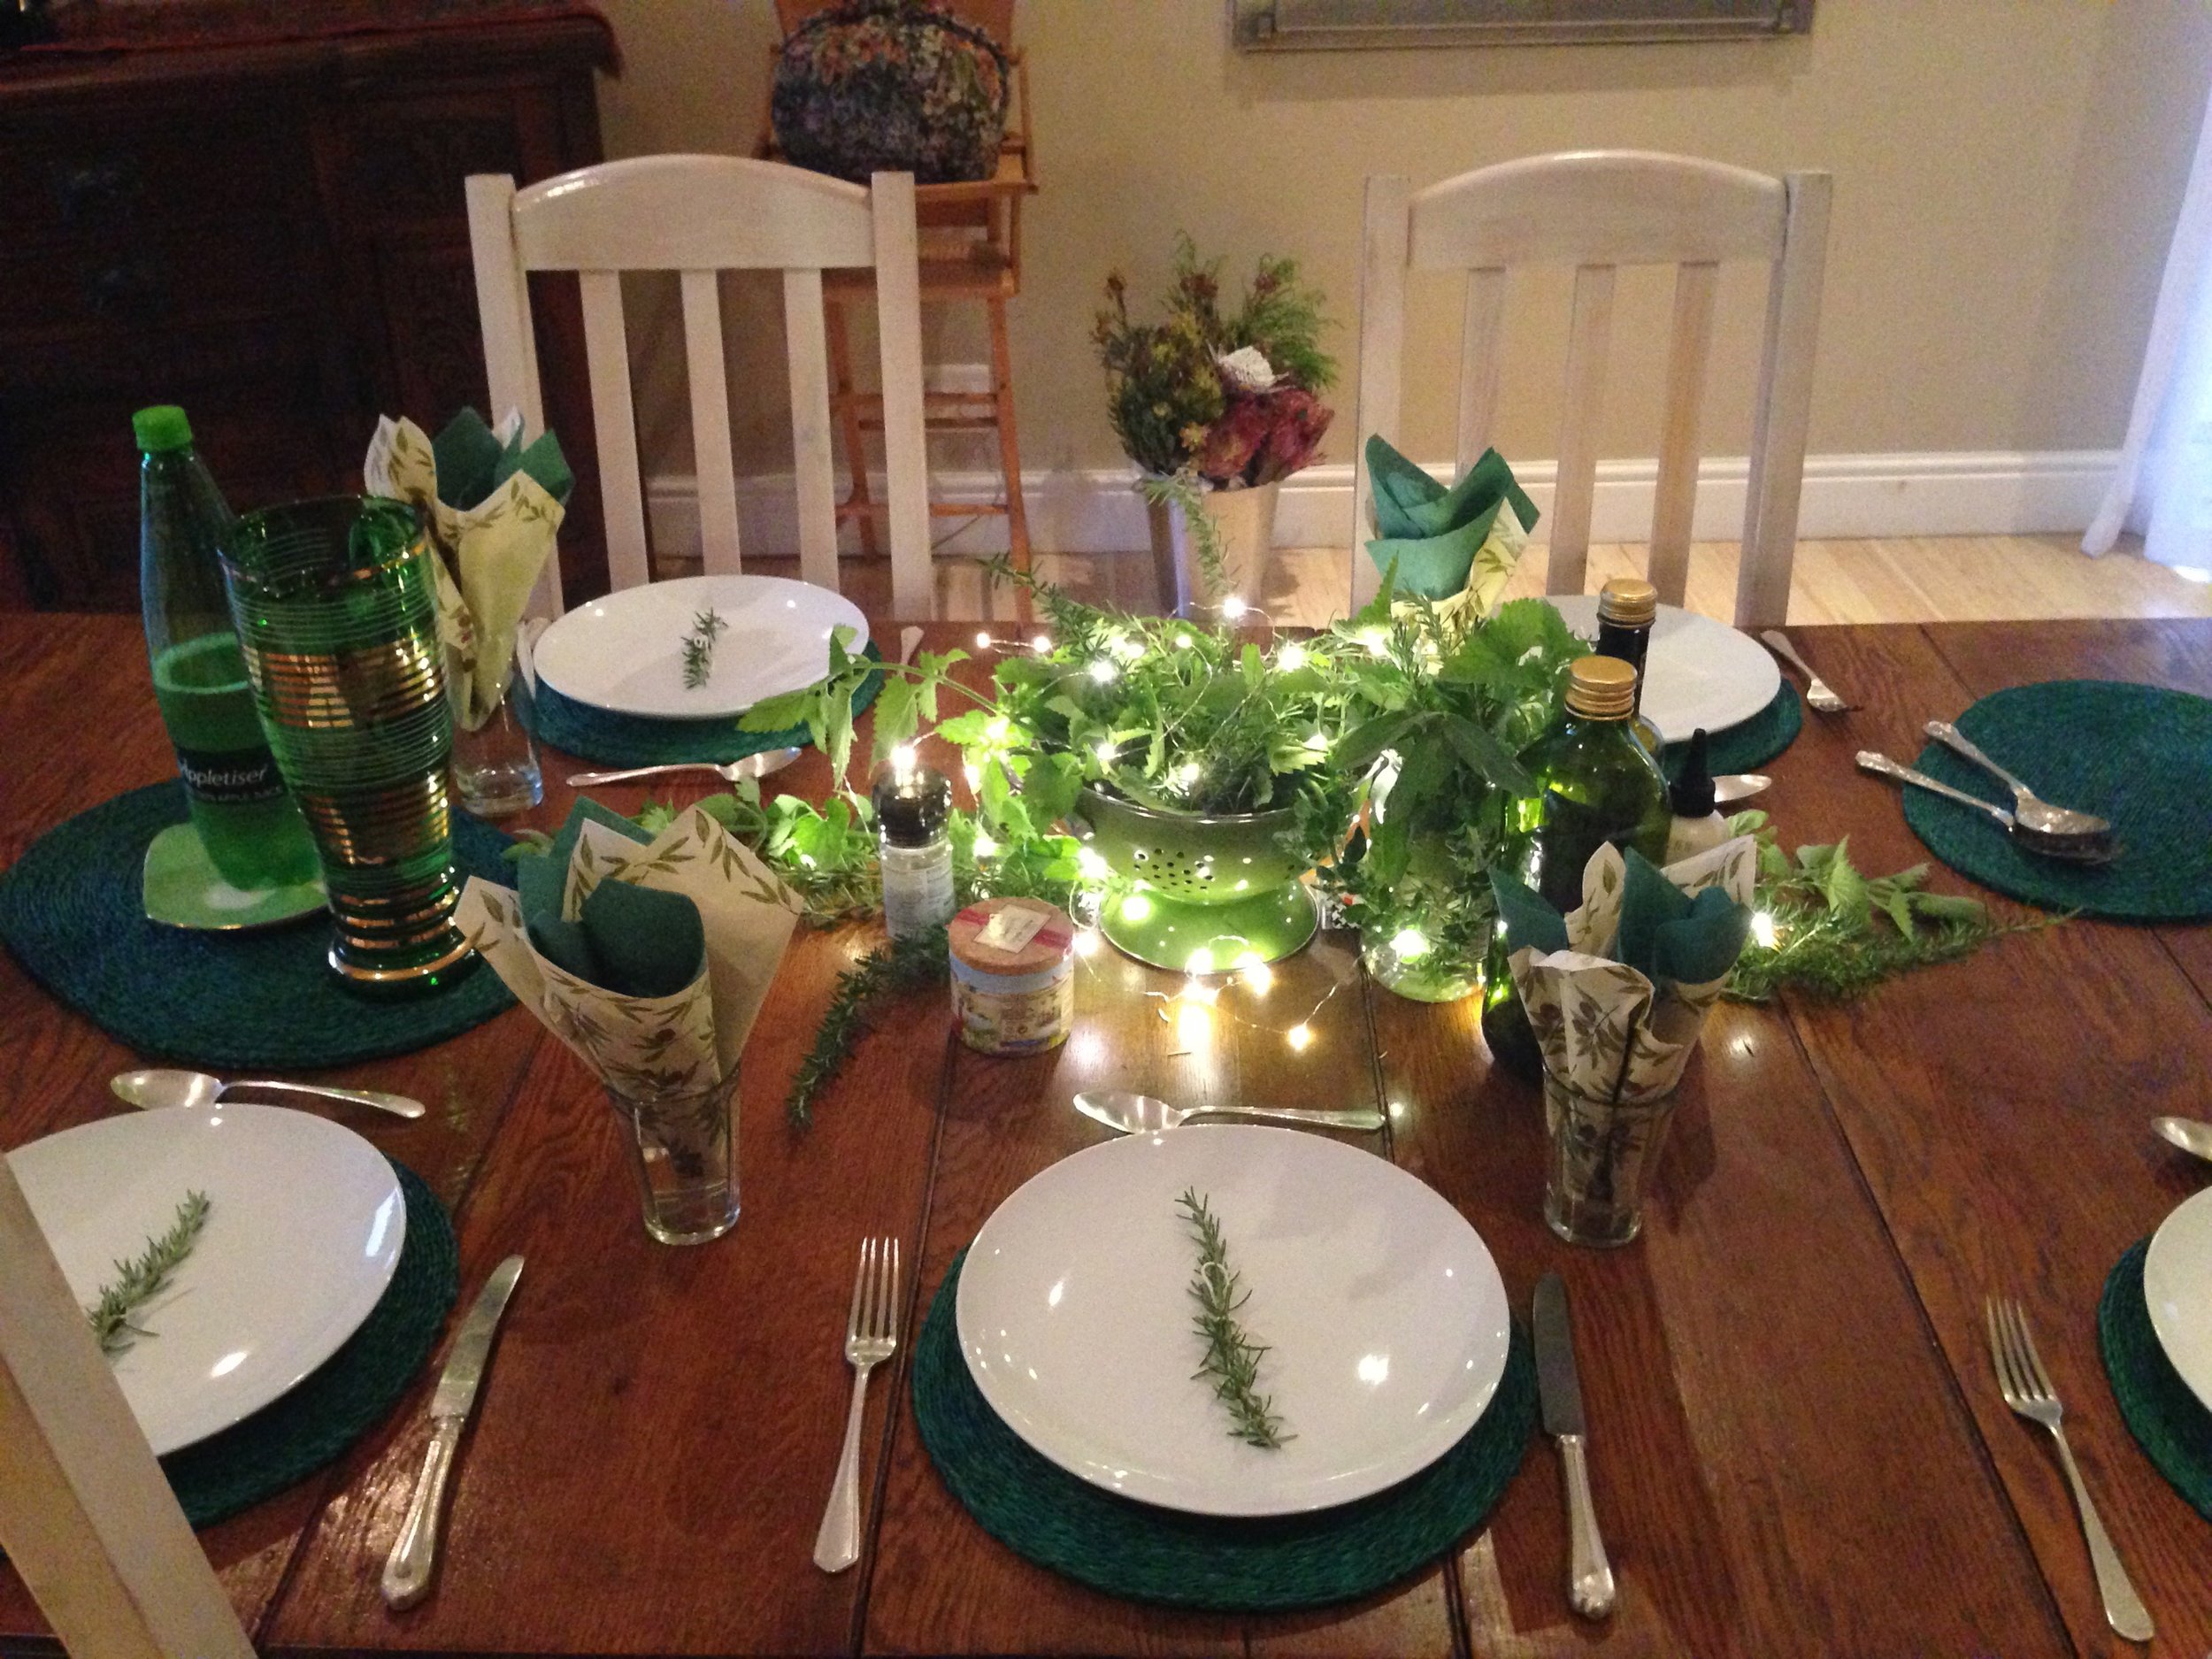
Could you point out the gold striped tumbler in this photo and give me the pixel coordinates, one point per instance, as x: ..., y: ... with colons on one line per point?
x: 336, y: 610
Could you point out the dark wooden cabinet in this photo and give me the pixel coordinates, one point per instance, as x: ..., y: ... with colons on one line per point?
x: 273, y: 235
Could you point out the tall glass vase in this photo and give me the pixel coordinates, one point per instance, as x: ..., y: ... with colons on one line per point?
x: 337, y: 621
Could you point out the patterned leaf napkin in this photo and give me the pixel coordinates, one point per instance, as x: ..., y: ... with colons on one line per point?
x: 494, y: 506
x: 647, y: 956
x: 1455, y: 546
x: 1618, y: 990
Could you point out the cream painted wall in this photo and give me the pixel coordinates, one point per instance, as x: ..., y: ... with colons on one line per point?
x: 2007, y: 177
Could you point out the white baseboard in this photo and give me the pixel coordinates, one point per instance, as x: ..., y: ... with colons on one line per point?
x: 1098, y: 510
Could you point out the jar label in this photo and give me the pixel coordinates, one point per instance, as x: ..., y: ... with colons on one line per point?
x: 230, y: 777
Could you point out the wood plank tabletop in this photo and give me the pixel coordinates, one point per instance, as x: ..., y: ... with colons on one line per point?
x: 1797, y: 1443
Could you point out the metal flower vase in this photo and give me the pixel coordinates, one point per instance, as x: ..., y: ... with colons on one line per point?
x: 337, y: 619
x: 1244, y: 521
x: 1198, y: 893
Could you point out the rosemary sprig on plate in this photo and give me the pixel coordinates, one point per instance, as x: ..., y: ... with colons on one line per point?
x: 144, y: 1277
x: 1232, y: 1358
x: 699, y: 647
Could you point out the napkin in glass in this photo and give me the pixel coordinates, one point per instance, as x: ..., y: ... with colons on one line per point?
x: 493, y: 505
x: 1618, y: 990
x: 649, y: 956
x: 1455, y: 546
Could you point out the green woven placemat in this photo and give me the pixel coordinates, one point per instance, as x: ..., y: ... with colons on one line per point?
x: 70, y: 911
x: 347, y: 1394
x: 2168, y: 1421
x: 1748, y: 743
x: 1040, y: 1511
x: 633, y: 739
x: 2138, y: 754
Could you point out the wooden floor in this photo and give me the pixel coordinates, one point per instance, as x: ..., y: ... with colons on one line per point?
x: 1927, y: 579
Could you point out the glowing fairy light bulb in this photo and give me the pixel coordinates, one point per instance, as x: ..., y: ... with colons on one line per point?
x: 1255, y: 975
x: 1183, y: 642
x: 1102, y: 671
x: 1410, y: 944
x: 1108, y: 752
x: 1087, y: 943
x: 985, y: 847
x: 1122, y: 646
x: 902, y: 762
x: 1186, y: 774
x: 1202, y: 961
x: 1376, y: 641
x: 1043, y: 642
x: 1291, y: 658
x: 999, y: 730
x: 1762, y: 929
x: 1135, y: 908
x: 1233, y: 607
x: 1091, y: 864
x: 983, y: 641
x: 1299, y: 1037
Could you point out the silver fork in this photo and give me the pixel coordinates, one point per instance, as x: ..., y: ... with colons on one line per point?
x: 871, y: 1336
x: 2027, y: 1389
x: 1817, y: 691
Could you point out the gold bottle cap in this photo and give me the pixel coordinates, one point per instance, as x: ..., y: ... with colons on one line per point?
x: 1601, y: 688
x: 1630, y: 600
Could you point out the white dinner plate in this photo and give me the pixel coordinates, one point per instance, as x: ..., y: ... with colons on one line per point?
x: 303, y: 1229
x: 2177, y: 1285
x: 1698, y: 672
x: 626, y: 652
x: 1384, y: 1317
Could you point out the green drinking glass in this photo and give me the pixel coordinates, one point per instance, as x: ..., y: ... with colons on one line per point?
x: 337, y: 619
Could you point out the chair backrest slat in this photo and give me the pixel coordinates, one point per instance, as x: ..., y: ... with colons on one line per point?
x: 614, y: 424
x: 808, y: 345
x: 1478, y: 359
x: 1689, y: 349
x: 1597, y: 211
x: 1589, y: 340
x: 699, y: 215
x: 712, y: 459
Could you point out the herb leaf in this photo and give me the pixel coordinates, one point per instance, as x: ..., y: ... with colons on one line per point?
x: 706, y: 627
x: 144, y: 1277
x: 1232, y: 1358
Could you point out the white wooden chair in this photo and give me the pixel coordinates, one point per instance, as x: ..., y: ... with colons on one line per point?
x: 1597, y: 211
x: 700, y: 215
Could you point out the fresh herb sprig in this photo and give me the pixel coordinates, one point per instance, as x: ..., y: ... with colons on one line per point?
x: 1232, y: 1358
x: 903, y: 964
x: 144, y: 1277
x: 706, y: 627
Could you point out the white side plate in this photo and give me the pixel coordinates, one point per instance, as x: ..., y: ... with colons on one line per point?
x: 305, y: 1221
x: 1698, y: 673
x: 626, y: 652
x: 2177, y: 1285
x: 1384, y: 1318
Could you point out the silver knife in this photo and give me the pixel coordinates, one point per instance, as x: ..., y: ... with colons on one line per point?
x: 1739, y: 786
x: 414, y: 1556
x: 1589, y: 1575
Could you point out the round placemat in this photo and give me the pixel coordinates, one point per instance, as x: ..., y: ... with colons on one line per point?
x: 1040, y: 1511
x: 1748, y: 743
x: 2169, y: 1422
x: 2138, y: 754
x: 633, y: 740
x: 70, y: 912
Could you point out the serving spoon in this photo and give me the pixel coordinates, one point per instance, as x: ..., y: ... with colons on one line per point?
x: 2187, y: 1133
x: 1142, y: 1115
x: 2082, y: 848
x: 2028, y: 808
x: 156, y: 1087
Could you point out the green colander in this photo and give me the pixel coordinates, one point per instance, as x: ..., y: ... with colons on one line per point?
x: 1198, y: 894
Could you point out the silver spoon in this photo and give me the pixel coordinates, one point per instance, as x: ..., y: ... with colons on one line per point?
x: 1739, y: 786
x: 729, y: 771
x: 155, y: 1087
x: 2080, y: 849
x: 2028, y: 807
x: 2187, y: 1133
x: 1142, y: 1115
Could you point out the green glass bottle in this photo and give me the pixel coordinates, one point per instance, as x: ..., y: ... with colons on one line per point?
x: 253, y: 834
x: 1595, y: 783
x: 1627, y: 607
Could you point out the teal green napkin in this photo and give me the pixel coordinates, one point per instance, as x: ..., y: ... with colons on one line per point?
x: 472, y: 462
x: 1529, y: 922
x: 1430, y: 534
x: 632, y: 940
x: 1665, y: 934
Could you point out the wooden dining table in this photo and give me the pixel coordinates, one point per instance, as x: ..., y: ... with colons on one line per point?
x: 1797, y: 1441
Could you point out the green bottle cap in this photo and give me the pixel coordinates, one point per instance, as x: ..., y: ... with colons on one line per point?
x: 162, y: 427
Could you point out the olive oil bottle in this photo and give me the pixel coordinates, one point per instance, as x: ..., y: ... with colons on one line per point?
x: 1595, y: 783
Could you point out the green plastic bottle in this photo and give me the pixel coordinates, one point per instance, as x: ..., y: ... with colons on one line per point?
x: 252, y: 832
x: 1595, y: 783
